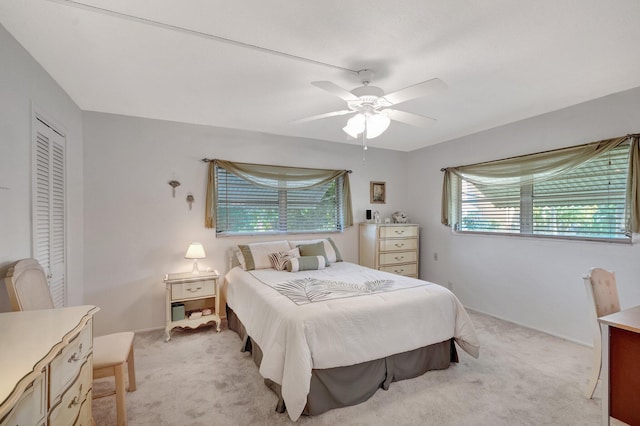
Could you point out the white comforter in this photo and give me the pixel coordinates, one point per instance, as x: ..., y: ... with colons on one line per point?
x: 343, y: 331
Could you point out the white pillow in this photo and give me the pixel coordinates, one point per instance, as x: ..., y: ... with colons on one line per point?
x: 330, y: 249
x: 238, y: 254
x: 256, y: 255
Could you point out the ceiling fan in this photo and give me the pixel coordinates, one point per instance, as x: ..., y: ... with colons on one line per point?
x: 372, y: 107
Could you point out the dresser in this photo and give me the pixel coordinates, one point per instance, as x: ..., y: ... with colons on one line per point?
x: 191, y: 300
x: 620, y: 369
x: 390, y: 247
x: 46, y: 366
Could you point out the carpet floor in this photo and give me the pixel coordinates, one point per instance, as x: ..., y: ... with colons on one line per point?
x: 523, y: 377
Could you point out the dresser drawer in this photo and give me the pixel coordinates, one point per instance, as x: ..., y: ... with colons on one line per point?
x: 399, y: 244
x: 397, y: 258
x: 398, y: 231
x: 197, y: 289
x: 31, y: 408
x: 408, y: 270
x: 65, y: 366
x: 84, y: 416
x: 66, y: 412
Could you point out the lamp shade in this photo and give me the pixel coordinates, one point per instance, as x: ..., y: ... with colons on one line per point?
x: 376, y: 124
x: 195, y: 251
x: 355, y: 125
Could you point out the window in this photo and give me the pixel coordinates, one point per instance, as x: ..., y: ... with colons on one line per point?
x: 257, y: 199
x: 580, y: 192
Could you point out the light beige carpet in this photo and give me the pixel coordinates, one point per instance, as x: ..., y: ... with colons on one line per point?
x: 523, y: 377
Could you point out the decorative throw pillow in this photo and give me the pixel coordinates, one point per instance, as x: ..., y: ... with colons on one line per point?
x: 306, y: 263
x: 315, y: 249
x: 330, y: 248
x: 337, y: 254
x: 256, y: 255
x: 279, y: 259
x: 238, y: 254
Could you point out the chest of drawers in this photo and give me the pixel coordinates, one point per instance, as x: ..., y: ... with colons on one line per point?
x: 46, y: 366
x: 390, y: 247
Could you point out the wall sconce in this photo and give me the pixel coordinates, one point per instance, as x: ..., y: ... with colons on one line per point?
x: 174, y: 184
x: 190, y: 199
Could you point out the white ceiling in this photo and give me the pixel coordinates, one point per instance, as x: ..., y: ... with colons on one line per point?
x: 503, y: 60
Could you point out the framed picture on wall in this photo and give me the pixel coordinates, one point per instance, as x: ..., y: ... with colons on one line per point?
x: 378, y: 192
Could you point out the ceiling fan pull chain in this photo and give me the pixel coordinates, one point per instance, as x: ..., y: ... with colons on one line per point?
x: 364, y: 144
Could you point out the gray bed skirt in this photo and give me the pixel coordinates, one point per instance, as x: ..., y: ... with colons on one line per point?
x: 344, y: 386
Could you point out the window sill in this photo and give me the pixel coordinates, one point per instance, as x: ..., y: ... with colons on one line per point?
x: 626, y: 241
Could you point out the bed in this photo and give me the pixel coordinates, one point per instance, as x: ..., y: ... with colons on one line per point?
x: 331, y: 337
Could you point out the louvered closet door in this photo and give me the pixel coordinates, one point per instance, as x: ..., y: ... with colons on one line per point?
x: 49, y: 207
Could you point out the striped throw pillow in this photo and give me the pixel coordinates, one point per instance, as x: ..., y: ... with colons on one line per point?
x: 279, y: 259
x: 306, y: 263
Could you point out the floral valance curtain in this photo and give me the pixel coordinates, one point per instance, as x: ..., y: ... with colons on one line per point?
x: 535, y: 168
x: 280, y: 178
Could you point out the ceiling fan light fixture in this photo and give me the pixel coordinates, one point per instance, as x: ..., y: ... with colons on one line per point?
x: 376, y: 125
x: 355, y: 125
x: 373, y: 125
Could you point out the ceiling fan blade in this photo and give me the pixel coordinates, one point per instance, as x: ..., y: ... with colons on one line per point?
x: 409, y: 118
x: 325, y: 115
x: 335, y: 90
x: 416, y: 91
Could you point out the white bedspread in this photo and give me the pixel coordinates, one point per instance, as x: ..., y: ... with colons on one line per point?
x: 341, y: 331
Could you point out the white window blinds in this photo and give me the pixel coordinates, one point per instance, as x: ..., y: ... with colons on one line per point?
x: 576, y: 194
x: 277, y: 200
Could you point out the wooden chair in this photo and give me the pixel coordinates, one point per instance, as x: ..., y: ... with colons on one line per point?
x: 28, y: 290
x: 602, y: 295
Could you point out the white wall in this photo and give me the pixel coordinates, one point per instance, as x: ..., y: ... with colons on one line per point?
x: 135, y: 232
x: 530, y: 281
x: 23, y: 84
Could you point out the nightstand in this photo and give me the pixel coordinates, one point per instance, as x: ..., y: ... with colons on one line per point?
x: 186, y: 295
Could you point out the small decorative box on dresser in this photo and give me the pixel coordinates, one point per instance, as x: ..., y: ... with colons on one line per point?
x: 46, y: 366
x: 390, y: 247
x: 191, y: 300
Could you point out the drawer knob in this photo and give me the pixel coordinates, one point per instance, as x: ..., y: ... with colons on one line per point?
x: 399, y: 231
x: 76, y: 355
x: 76, y: 399
x: 397, y: 272
x: 399, y: 245
x: 194, y: 289
x: 73, y: 402
x: 399, y: 257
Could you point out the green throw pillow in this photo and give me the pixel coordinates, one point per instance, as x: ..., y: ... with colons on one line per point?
x: 315, y: 249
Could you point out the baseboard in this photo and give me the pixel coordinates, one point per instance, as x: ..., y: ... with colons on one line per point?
x: 578, y: 342
x: 144, y: 330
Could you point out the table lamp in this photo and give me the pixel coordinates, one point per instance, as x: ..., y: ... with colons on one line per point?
x: 195, y: 252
